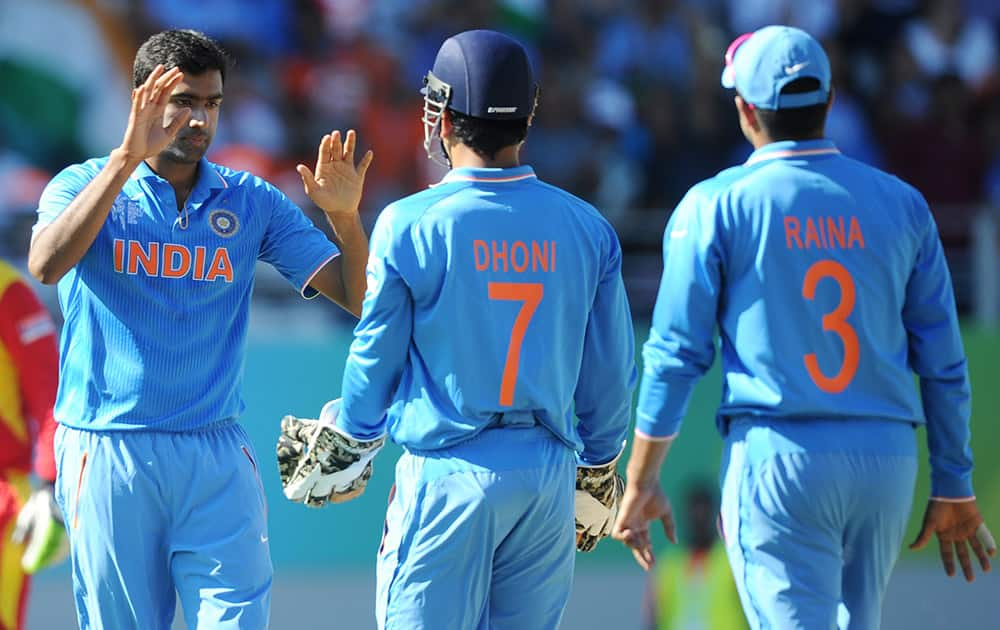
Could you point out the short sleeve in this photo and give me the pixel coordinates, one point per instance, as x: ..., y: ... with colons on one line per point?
x: 292, y: 244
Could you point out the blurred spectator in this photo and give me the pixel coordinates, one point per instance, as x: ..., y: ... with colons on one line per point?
x: 943, y: 41
x: 942, y: 152
x: 692, y: 587
x: 649, y: 41
x: 630, y: 116
x: 818, y: 17
x: 264, y: 27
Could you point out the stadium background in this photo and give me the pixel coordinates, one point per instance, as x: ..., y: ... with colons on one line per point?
x: 631, y: 115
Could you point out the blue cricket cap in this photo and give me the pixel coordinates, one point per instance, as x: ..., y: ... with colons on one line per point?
x: 760, y: 64
x: 488, y: 73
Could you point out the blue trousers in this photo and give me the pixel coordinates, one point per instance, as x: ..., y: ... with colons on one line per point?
x: 480, y: 535
x: 150, y: 514
x: 813, y: 514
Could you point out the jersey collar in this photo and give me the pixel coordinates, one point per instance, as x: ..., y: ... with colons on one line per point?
x: 793, y: 149
x: 489, y: 175
x: 209, y: 177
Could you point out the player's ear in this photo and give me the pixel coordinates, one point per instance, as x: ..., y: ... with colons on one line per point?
x: 748, y: 115
x: 446, y: 125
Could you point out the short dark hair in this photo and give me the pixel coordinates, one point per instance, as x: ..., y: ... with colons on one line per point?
x: 797, y: 123
x: 191, y: 51
x: 486, y: 136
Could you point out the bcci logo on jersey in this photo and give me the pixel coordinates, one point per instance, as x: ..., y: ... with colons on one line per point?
x: 223, y: 222
x: 125, y: 210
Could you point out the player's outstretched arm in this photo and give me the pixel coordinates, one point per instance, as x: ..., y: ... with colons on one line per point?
x: 57, y: 247
x: 644, y: 501
x: 335, y: 186
x: 958, y: 526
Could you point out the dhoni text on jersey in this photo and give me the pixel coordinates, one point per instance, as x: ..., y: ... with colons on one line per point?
x: 519, y: 256
x: 172, y: 260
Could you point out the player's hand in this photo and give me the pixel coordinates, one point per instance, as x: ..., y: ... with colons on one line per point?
x: 148, y: 133
x: 643, y: 503
x: 958, y: 526
x: 39, y: 527
x: 599, y: 492
x: 336, y: 184
x: 319, y: 464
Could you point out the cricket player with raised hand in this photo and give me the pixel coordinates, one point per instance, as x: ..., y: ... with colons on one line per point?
x: 828, y: 284
x: 495, y: 317
x: 154, y: 248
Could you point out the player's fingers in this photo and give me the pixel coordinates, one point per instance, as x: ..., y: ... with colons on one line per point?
x: 181, y: 118
x: 166, y: 85
x: 947, y: 556
x: 323, y: 152
x: 366, y: 161
x: 349, y: 143
x: 924, y: 537
x: 154, y: 76
x: 342, y: 497
x: 139, y: 98
x: 668, y: 527
x: 643, y: 555
x: 985, y: 537
x: 963, y: 559
x: 336, y: 146
x: 308, y: 181
x: 980, y: 551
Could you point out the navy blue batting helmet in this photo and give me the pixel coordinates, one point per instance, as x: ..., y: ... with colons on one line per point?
x: 483, y: 74
x: 488, y: 74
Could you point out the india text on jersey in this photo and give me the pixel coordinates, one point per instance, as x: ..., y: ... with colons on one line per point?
x: 171, y: 260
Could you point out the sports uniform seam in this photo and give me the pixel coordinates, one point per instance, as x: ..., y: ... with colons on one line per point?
x: 745, y: 479
x: 406, y: 533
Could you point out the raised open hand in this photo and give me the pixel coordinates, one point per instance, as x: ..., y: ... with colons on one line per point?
x: 337, y: 183
x: 148, y: 133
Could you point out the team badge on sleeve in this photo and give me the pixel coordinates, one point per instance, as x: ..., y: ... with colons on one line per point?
x: 223, y: 222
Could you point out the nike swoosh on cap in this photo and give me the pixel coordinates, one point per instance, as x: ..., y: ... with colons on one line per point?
x: 795, y: 68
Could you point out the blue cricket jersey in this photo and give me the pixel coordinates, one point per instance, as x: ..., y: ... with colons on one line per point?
x: 829, y: 286
x: 492, y: 293
x: 156, y: 310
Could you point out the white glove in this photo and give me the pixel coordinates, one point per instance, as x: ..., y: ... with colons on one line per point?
x: 599, y: 491
x: 318, y: 462
x: 40, y: 527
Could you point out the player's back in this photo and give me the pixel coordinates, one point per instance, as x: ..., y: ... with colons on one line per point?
x: 822, y: 254
x: 503, y: 271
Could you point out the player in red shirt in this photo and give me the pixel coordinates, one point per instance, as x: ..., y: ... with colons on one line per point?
x: 31, y: 530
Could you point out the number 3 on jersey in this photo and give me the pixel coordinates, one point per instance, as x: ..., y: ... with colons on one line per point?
x: 530, y: 296
x: 835, y: 322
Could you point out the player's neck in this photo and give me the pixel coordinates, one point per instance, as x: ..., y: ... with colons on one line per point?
x: 464, y: 157
x: 178, y: 174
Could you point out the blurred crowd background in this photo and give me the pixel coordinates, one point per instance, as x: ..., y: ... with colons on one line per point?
x: 631, y: 115
x: 631, y: 111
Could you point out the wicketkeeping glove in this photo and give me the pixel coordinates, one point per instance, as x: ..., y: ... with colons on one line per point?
x: 599, y: 491
x: 40, y: 528
x: 318, y: 463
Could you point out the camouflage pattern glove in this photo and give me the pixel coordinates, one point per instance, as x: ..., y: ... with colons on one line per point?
x: 319, y: 464
x: 599, y: 491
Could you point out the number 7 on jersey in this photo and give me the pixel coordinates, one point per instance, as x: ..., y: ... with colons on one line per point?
x: 530, y: 295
